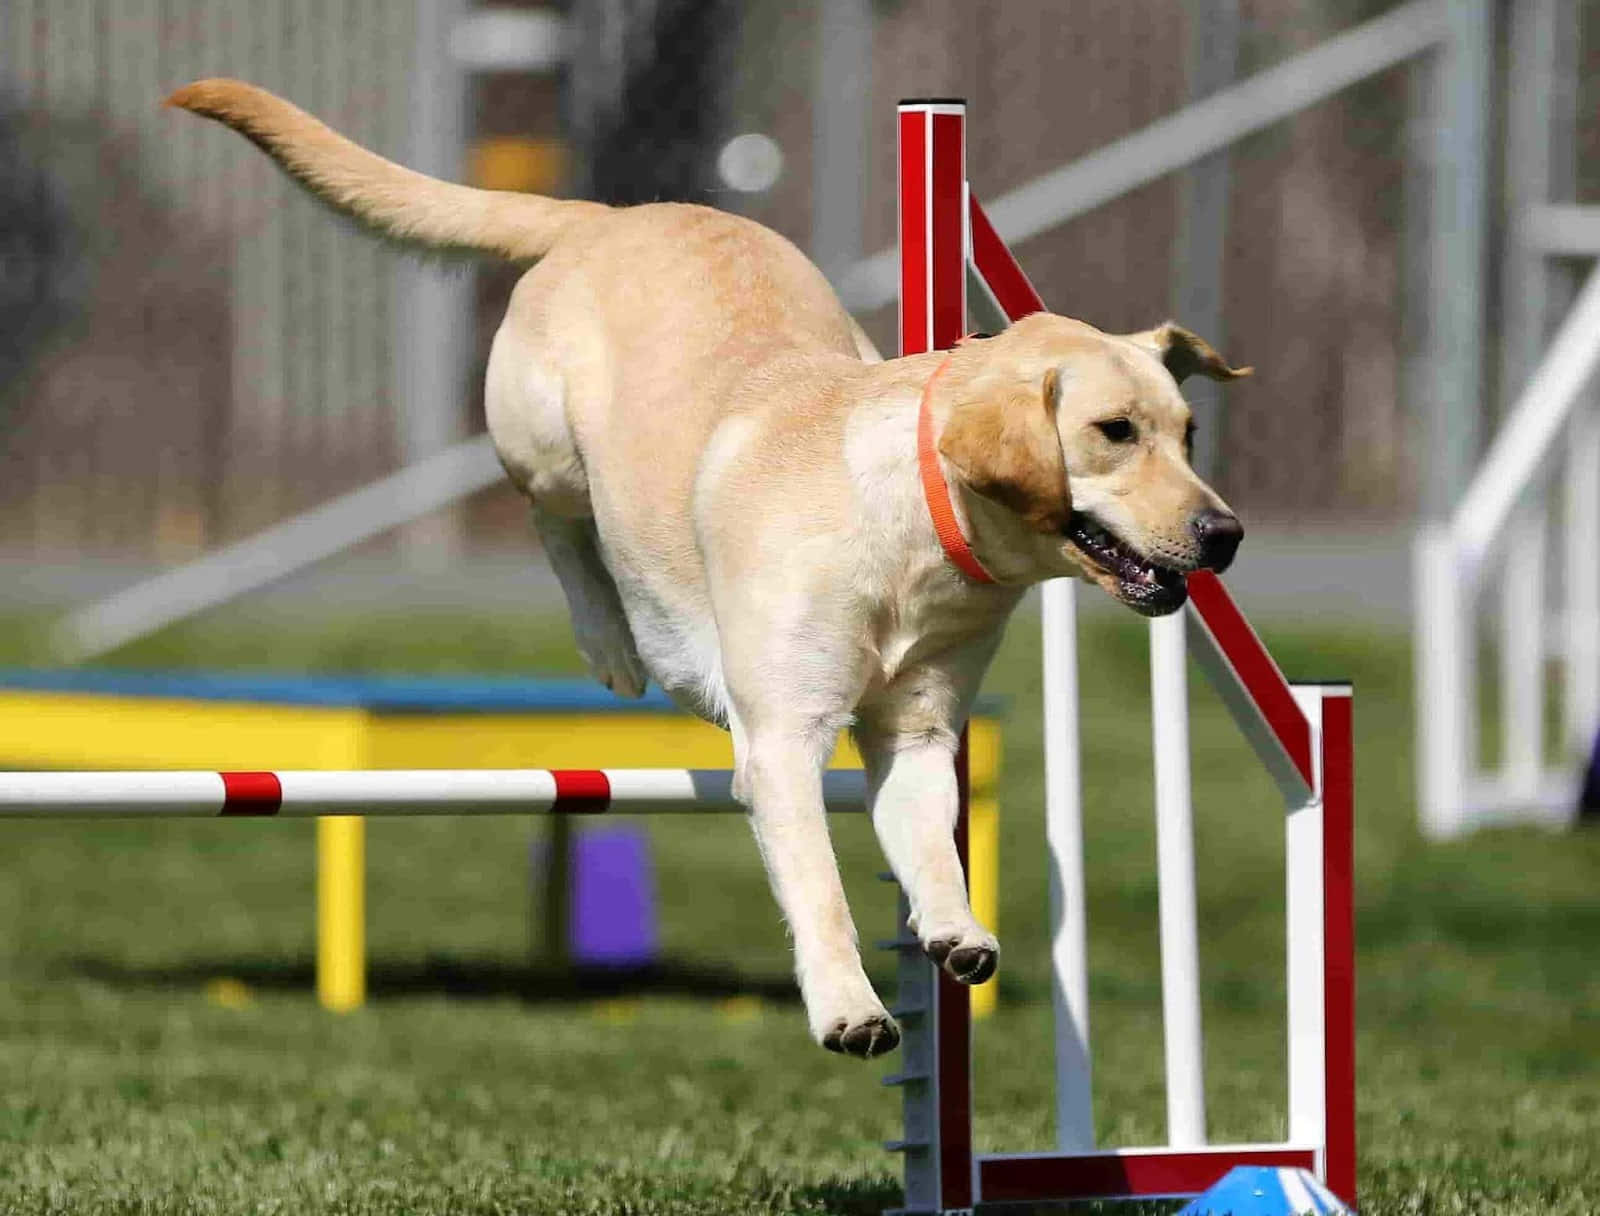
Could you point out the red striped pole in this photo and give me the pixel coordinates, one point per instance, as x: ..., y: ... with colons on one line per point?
x: 307, y: 793
x: 933, y: 316
x: 1338, y: 938
x: 1249, y: 681
x: 999, y: 270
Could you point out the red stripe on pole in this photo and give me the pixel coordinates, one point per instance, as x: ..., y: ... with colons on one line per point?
x: 913, y: 232
x: 947, y: 278
x: 1258, y: 674
x: 251, y: 794
x: 1109, y: 1176
x: 580, y: 791
x: 1016, y: 295
x: 953, y: 1054
x: 948, y: 176
x: 1339, y: 941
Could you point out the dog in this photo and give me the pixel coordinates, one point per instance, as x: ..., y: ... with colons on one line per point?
x: 791, y: 536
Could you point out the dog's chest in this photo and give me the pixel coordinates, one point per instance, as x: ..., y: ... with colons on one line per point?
x: 931, y: 614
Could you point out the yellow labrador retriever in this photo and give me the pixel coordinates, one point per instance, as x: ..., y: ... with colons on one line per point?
x: 727, y: 480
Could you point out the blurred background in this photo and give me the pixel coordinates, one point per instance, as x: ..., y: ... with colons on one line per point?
x: 1382, y: 207
x: 195, y: 350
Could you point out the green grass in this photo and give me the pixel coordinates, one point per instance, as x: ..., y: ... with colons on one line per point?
x: 473, y: 1083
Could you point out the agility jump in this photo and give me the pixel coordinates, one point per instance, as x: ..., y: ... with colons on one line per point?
x: 1301, y: 733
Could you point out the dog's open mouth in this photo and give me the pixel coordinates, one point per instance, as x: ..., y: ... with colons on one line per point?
x: 1147, y: 587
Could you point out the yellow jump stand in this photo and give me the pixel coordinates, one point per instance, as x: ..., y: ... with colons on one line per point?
x: 341, y: 913
x: 139, y: 720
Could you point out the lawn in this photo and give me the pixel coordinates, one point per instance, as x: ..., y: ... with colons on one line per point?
x: 161, y: 1051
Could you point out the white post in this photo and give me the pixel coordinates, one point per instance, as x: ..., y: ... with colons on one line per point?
x: 1582, y: 541
x: 1461, y: 75
x: 1180, y: 945
x: 1063, y: 818
x: 1446, y: 695
x: 1307, y: 1014
x: 1522, y: 651
x: 433, y: 304
x: 838, y: 134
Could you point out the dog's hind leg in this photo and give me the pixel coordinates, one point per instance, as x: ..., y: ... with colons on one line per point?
x: 525, y: 398
x: 598, y: 622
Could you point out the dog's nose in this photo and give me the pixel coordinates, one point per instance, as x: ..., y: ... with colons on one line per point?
x: 1219, y: 534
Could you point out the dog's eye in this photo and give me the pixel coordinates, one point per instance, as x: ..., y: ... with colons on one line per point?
x: 1118, y: 430
x: 1188, y: 442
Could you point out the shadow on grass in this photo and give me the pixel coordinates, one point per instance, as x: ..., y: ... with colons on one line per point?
x: 856, y: 1197
x: 872, y: 1198
x: 535, y: 983
x: 866, y: 1197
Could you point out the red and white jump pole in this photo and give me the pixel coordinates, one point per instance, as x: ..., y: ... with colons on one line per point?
x: 935, y: 1012
x: 392, y: 792
x: 1301, y: 734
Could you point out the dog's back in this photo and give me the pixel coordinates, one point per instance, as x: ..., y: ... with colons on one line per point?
x: 634, y: 336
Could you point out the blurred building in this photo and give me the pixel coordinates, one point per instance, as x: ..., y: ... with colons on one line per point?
x: 224, y: 353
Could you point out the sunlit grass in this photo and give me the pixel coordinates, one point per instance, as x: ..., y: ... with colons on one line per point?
x: 135, y: 1081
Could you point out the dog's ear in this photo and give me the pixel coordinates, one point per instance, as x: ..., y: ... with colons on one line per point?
x: 1004, y: 446
x: 1185, y: 354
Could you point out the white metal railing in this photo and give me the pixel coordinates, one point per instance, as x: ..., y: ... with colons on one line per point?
x: 1500, y: 533
x: 275, y: 553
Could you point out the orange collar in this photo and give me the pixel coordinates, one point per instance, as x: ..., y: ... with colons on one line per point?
x: 936, y: 493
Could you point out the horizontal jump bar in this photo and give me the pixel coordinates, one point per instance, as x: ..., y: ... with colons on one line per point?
x: 1126, y: 1173
x: 306, y: 793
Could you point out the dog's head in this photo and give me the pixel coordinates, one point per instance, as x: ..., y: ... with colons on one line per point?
x: 1077, y: 442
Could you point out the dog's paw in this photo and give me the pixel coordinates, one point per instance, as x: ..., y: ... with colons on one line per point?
x: 875, y: 1034
x: 846, y: 1015
x: 968, y: 957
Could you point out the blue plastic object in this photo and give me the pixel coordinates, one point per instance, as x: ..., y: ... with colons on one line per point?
x: 386, y: 693
x: 1262, y: 1190
x: 381, y: 693
x: 612, y: 920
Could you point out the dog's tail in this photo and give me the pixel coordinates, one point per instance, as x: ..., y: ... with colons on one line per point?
x: 391, y: 201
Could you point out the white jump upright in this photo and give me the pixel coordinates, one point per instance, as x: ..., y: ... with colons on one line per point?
x: 1183, y: 1041
x: 1063, y: 820
x: 1008, y: 294
x: 1300, y: 733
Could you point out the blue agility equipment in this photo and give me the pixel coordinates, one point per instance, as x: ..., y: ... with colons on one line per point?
x: 1261, y: 1190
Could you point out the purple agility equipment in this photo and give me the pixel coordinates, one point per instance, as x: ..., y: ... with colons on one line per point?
x: 612, y: 916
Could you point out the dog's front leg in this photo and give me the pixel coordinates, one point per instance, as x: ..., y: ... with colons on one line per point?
x: 912, y: 783
x: 781, y: 774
